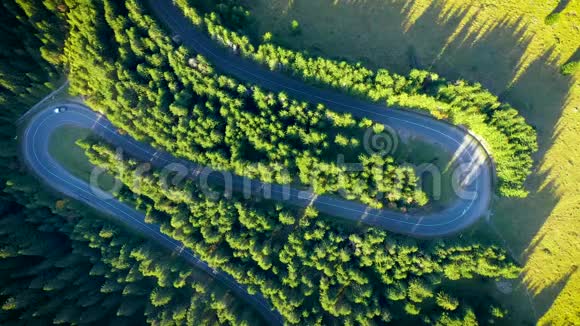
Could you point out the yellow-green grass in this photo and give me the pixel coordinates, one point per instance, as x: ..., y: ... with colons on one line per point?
x: 431, y: 164
x: 507, y: 47
x: 63, y: 147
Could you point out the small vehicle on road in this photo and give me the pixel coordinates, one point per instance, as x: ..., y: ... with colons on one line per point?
x: 60, y: 109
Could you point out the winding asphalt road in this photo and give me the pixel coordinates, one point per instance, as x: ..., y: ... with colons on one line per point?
x: 469, y: 154
x: 456, y: 216
x: 35, y: 152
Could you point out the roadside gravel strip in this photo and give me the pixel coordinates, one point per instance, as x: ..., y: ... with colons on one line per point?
x: 458, y: 215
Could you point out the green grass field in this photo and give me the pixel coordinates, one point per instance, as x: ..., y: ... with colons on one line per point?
x: 63, y: 147
x: 509, y: 49
x: 437, y: 183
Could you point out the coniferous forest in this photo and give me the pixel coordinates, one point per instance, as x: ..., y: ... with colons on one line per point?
x: 62, y: 262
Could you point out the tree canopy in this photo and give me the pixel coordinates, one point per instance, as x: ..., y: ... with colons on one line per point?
x: 312, y: 270
x: 507, y: 136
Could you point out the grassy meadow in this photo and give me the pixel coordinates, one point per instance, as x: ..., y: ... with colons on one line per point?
x: 509, y: 48
x: 63, y: 147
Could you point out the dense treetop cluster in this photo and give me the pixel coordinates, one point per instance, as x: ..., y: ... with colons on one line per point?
x: 313, y: 271
x: 87, y: 270
x: 191, y: 111
x: 59, y: 262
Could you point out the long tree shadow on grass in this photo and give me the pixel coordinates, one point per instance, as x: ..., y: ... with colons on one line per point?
x: 448, y: 39
x: 498, y: 56
x: 562, y: 4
